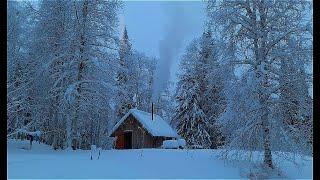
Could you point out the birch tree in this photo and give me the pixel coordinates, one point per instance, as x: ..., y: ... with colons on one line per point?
x: 95, y: 45
x: 256, y: 29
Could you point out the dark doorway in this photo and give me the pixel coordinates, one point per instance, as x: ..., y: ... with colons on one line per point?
x: 128, y: 140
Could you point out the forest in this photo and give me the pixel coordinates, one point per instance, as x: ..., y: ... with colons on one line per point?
x: 244, y: 83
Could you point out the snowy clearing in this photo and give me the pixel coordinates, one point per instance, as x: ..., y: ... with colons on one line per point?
x: 43, y: 162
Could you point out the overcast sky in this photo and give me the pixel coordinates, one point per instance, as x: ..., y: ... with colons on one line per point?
x: 146, y: 22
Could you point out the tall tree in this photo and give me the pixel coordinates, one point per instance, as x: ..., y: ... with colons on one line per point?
x: 126, y: 74
x: 51, y: 53
x: 69, y: 70
x: 208, y: 70
x: 95, y: 42
x: 20, y: 76
x: 256, y: 29
x: 295, y: 103
x: 190, y: 120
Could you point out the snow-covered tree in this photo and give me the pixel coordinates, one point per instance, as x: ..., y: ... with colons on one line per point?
x: 67, y: 75
x: 95, y: 51
x: 14, y: 66
x: 134, y: 78
x: 19, y: 76
x: 142, y: 80
x: 190, y: 120
x: 205, y: 69
x: 256, y: 30
x: 51, y: 54
x: 164, y: 104
x: 208, y: 70
x: 295, y: 103
x: 126, y: 76
x: 240, y: 121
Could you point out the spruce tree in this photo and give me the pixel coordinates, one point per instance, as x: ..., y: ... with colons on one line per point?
x: 190, y: 120
x: 209, y: 76
x: 125, y: 76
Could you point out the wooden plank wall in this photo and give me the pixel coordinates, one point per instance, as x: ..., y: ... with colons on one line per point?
x: 140, y: 137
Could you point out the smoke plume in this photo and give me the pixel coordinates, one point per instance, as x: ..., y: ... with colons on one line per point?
x: 176, y: 30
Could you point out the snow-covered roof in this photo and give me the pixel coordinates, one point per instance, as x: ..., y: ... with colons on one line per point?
x: 156, y: 127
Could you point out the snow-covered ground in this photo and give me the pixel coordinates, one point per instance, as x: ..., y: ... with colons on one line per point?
x: 43, y: 163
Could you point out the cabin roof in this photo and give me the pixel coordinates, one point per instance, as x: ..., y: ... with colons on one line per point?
x: 156, y: 127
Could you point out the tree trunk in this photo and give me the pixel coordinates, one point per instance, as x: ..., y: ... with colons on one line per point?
x: 30, y: 143
x: 266, y: 142
x: 264, y: 96
x: 80, y: 73
x: 56, y: 123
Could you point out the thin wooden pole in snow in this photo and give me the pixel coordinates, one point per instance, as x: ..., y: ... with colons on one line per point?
x: 152, y: 111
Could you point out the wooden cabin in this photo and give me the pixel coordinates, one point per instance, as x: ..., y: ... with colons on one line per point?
x: 137, y: 129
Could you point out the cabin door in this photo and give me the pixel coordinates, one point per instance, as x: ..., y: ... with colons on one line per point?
x: 128, y: 140
x: 120, y: 141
